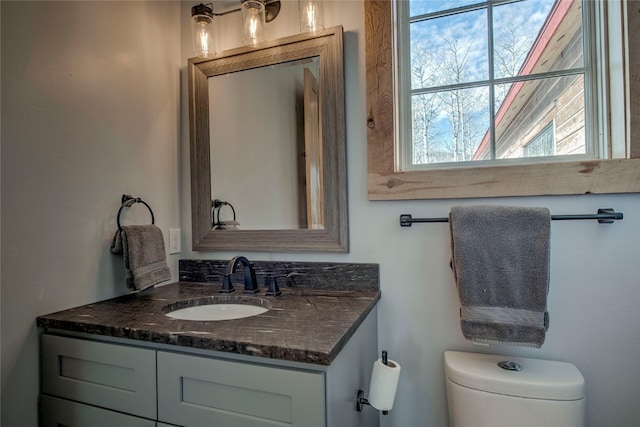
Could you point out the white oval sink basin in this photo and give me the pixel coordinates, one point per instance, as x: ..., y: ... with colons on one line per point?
x: 210, y: 312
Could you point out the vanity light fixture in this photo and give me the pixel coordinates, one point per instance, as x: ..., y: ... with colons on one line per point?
x: 311, y: 16
x: 254, y: 15
x: 253, y: 18
x: 201, y: 19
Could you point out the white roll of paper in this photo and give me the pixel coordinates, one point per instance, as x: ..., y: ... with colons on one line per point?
x: 384, y: 383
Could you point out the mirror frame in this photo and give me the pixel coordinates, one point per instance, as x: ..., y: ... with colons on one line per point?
x: 334, y: 237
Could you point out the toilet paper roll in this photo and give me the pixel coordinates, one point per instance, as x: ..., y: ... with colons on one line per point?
x: 384, y: 382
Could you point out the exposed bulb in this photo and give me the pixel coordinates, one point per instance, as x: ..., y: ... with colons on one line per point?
x: 204, y: 43
x: 201, y: 20
x: 311, y: 16
x: 254, y: 18
x: 252, y: 25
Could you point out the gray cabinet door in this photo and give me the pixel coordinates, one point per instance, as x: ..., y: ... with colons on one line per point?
x: 55, y: 412
x: 101, y: 374
x: 202, y: 392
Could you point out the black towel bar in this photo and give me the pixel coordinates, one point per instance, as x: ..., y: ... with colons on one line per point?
x: 604, y: 216
x: 128, y: 201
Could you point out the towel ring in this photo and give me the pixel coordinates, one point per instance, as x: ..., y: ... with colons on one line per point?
x: 216, y: 205
x: 128, y: 201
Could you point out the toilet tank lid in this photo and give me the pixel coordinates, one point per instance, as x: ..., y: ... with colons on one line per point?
x: 538, y: 379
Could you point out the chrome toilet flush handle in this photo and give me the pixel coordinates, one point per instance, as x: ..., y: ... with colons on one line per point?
x: 510, y: 365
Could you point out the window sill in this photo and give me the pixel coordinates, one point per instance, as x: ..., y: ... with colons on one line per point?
x: 584, y: 177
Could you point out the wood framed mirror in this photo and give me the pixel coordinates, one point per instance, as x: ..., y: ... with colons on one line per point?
x: 320, y: 193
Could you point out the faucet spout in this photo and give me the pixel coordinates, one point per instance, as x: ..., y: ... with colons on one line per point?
x: 250, y: 282
x: 233, y: 263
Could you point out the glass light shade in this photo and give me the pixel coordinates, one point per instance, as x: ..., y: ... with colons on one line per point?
x: 253, y: 17
x: 311, y: 16
x: 201, y: 27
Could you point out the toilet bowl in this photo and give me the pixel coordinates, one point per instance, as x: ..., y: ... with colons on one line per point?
x: 499, y: 391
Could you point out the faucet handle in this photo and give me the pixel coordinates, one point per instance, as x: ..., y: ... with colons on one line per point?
x: 227, y: 286
x: 273, y: 290
x: 250, y: 282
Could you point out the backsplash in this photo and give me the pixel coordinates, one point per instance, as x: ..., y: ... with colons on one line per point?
x: 315, y: 275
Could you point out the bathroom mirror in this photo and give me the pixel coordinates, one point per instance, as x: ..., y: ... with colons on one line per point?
x: 245, y: 149
x: 279, y: 149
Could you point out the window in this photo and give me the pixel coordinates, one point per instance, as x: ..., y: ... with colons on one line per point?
x: 518, y: 102
x: 477, y: 78
x: 542, y: 145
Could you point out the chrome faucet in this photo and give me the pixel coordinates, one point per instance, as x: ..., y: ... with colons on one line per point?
x: 250, y: 283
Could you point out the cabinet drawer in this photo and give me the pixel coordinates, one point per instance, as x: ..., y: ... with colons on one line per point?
x: 195, y: 391
x: 107, y: 375
x: 55, y: 412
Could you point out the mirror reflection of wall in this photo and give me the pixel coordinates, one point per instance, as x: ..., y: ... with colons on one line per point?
x: 258, y: 157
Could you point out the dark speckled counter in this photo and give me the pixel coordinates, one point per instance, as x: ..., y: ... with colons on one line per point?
x: 309, y: 325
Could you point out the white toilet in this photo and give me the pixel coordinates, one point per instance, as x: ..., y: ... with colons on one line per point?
x: 523, y: 393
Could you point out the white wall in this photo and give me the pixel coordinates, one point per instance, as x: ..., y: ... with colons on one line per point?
x: 594, y: 300
x: 90, y: 110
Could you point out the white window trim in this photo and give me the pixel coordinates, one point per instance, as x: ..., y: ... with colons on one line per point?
x: 616, y: 119
x: 601, y: 88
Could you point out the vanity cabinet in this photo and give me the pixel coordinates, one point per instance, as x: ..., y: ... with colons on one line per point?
x: 91, y: 384
x: 105, y: 375
x: 193, y: 391
x: 93, y: 380
x: 56, y: 412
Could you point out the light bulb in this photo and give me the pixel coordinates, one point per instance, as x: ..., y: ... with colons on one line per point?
x: 203, y: 45
x: 201, y: 19
x: 311, y: 16
x: 254, y: 18
x: 252, y: 24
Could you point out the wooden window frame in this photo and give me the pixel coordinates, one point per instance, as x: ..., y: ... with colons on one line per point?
x: 385, y: 182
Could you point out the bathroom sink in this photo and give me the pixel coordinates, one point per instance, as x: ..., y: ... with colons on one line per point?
x: 217, y: 312
x: 213, y: 309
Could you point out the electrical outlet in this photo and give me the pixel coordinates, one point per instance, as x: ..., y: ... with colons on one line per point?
x: 174, y: 241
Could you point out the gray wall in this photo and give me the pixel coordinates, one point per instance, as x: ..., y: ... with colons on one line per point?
x: 88, y: 117
x: 90, y: 110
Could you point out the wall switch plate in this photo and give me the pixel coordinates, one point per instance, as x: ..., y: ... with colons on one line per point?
x: 174, y: 241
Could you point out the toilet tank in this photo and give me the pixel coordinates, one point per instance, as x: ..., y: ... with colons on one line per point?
x: 539, y: 393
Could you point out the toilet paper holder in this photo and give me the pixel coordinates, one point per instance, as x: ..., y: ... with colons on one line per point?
x: 385, y: 375
x: 361, y: 401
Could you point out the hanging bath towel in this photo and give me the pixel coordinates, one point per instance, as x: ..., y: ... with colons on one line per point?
x: 500, y: 260
x: 142, y: 247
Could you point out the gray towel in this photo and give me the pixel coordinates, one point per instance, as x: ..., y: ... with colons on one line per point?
x: 142, y: 247
x: 500, y: 260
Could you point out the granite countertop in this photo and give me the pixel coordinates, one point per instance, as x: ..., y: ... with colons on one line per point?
x: 304, y: 325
